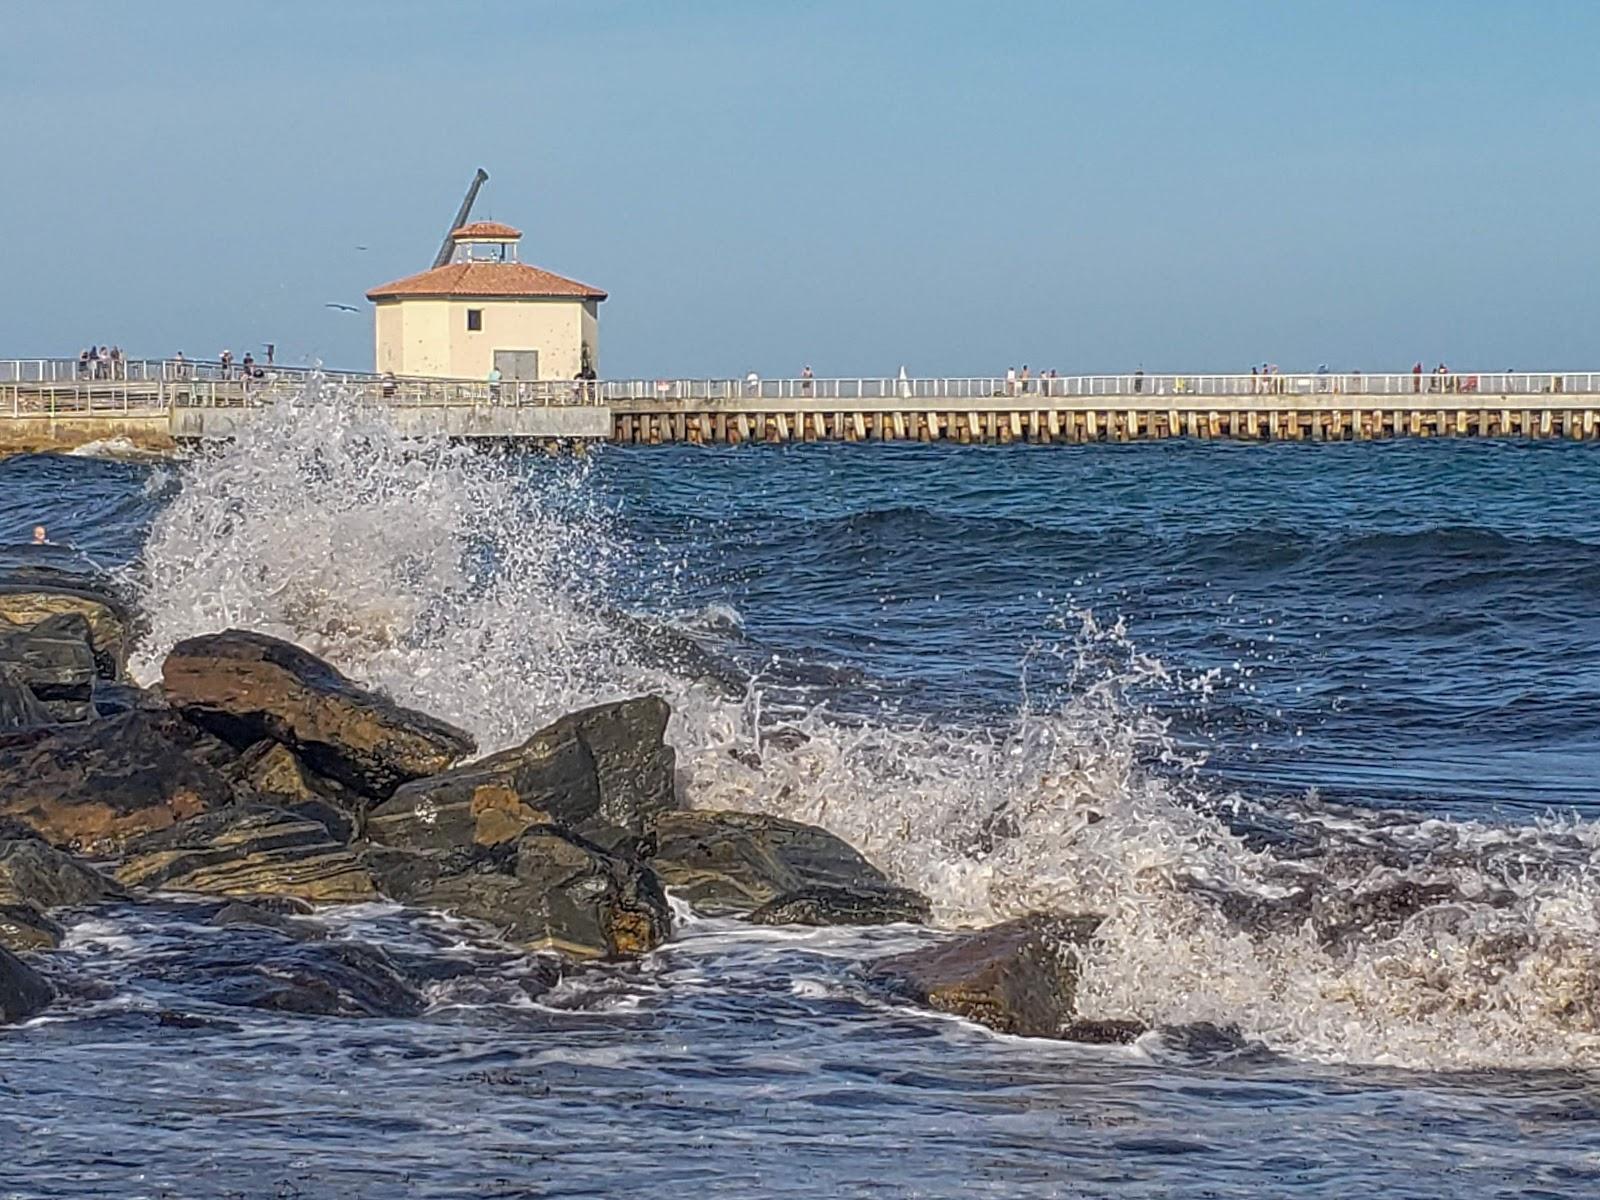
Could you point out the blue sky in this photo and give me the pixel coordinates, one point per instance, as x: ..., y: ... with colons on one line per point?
x: 854, y: 184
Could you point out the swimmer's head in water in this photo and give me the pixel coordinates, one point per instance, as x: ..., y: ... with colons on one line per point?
x: 39, y: 538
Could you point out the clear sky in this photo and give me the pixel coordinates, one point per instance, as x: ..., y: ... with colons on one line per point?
x: 858, y: 184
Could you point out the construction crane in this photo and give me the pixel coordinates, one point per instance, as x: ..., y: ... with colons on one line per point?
x: 462, y: 213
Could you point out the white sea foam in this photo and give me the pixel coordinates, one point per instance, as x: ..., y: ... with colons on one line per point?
x: 442, y: 575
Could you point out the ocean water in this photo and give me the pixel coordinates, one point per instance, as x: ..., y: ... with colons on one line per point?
x: 1317, y: 728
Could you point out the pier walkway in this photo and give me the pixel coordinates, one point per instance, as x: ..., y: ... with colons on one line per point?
x: 49, y: 401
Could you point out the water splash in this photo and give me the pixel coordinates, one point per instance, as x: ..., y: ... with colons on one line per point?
x: 466, y: 584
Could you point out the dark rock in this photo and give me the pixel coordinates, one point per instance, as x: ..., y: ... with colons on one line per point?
x: 35, y: 878
x: 238, y: 912
x: 278, y: 777
x: 602, y: 772
x: 33, y: 872
x: 548, y: 890
x: 325, y: 978
x: 250, y: 850
x: 248, y: 687
x: 168, y: 1018
x: 844, y: 906
x: 111, y: 699
x: 93, y: 786
x: 734, y: 862
x: 55, y: 659
x: 24, y: 927
x: 1019, y: 977
x: 1341, y: 918
x: 19, y: 707
x: 31, y: 597
x: 22, y: 991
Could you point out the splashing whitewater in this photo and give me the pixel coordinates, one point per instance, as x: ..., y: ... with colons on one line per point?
x: 468, y: 585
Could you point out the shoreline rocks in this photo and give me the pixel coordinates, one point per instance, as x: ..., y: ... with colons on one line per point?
x: 733, y: 863
x: 604, y: 773
x: 92, y: 786
x: 1018, y: 977
x: 248, y: 687
x: 259, y: 774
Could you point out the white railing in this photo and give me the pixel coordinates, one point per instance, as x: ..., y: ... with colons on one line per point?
x: 47, y: 386
x: 1135, y: 386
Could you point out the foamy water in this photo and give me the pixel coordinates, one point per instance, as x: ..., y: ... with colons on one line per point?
x: 449, y: 578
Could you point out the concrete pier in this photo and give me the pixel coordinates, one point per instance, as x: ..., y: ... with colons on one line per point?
x: 160, y: 404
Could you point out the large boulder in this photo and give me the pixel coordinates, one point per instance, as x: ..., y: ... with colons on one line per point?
x: 93, y: 786
x: 735, y: 862
x: 1019, y: 977
x: 247, y: 687
x: 35, y: 595
x: 844, y: 906
x: 251, y: 850
x: 19, y: 707
x: 56, y: 661
x: 22, y: 991
x: 604, y: 772
x: 548, y: 890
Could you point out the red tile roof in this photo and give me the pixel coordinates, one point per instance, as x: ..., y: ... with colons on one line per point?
x: 487, y: 279
x: 486, y: 229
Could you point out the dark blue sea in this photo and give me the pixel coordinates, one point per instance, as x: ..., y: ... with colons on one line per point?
x: 1317, y: 727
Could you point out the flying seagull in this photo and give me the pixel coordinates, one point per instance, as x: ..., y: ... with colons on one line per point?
x: 343, y: 307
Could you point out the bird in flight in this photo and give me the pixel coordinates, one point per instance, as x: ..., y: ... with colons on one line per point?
x: 342, y: 307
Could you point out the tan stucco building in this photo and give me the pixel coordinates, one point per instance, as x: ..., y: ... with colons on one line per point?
x: 484, y: 310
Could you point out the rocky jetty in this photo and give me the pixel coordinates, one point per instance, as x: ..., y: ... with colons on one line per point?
x: 260, y: 775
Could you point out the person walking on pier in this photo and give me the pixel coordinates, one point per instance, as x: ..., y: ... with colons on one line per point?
x: 1023, y: 379
x: 805, y: 380
x: 1416, y: 377
x: 226, y: 360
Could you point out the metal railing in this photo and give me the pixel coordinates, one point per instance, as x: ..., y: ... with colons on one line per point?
x: 54, y: 386
x: 1136, y: 386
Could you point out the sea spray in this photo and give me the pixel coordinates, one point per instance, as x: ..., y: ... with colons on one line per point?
x: 470, y: 585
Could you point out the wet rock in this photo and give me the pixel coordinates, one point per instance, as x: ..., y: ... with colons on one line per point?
x: 19, y: 707
x: 324, y: 978
x: 34, y: 872
x: 548, y: 890
x: 111, y: 699
x: 239, y: 912
x: 248, y: 687
x: 55, y: 660
x: 734, y: 862
x: 36, y: 595
x: 24, y: 927
x: 35, y: 878
x: 1341, y: 918
x: 93, y: 786
x: 603, y: 772
x: 279, y: 778
x: 22, y: 991
x: 844, y: 906
x: 1018, y: 977
x: 251, y: 850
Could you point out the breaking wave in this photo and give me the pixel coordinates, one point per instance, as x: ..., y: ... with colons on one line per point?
x: 490, y: 590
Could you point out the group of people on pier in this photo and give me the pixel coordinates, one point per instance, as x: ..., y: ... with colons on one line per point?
x: 102, y: 363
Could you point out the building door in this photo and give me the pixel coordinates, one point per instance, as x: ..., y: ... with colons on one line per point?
x: 517, y: 364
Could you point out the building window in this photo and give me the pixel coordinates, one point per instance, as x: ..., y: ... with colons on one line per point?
x: 474, y: 319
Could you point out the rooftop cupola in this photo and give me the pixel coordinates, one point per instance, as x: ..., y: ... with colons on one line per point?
x: 485, y: 241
